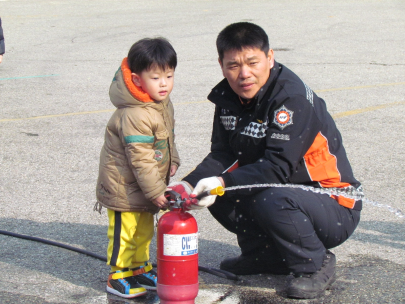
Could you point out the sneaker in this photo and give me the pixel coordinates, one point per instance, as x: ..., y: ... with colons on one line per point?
x: 253, y: 264
x: 146, y: 276
x: 124, y: 284
x: 309, y: 286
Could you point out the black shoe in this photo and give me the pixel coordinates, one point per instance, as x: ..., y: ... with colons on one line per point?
x: 309, y: 286
x: 146, y: 276
x: 253, y: 264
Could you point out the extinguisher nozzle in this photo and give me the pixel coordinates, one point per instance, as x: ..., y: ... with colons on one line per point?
x: 217, y: 191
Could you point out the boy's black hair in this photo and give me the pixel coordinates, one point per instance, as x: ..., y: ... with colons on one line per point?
x: 237, y: 36
x: 148, y: 52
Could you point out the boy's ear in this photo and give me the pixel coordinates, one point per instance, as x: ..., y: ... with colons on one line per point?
x: 136, y: 79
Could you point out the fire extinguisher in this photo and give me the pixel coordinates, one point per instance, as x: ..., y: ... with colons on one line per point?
x: 177, y: 255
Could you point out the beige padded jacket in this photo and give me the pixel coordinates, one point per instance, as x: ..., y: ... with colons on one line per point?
x: 138, y: 148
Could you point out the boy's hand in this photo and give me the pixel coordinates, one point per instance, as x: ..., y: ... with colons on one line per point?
x: 161, y: 202
x: 173, y: 170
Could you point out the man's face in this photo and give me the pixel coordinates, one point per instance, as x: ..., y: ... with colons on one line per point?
x: 247, y: 70
x: 156, y: 82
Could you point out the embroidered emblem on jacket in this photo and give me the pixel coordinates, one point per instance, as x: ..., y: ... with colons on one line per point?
x: 310, y: 94
x: 229, y: 122
x: 255, y: 129
x: 158, y: 155
x: 283, y: 117
x: 280, y: 136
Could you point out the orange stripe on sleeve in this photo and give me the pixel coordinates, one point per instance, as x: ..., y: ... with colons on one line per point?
x: 322, y: 168
x: 322, y: 165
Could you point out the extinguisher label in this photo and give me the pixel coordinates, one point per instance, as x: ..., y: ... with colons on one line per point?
x: 180, y: 244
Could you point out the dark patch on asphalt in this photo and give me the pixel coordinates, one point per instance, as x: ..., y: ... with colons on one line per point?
x: 30, y: 134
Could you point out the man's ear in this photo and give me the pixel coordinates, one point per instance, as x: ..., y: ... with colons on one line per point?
x: 270, y: 57
x: 136, y: 79
x: 220, y: 64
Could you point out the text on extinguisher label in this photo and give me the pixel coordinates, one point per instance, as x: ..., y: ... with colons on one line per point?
x: 180, y: 244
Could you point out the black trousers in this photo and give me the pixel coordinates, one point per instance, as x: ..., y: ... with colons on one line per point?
x: 291, y: 226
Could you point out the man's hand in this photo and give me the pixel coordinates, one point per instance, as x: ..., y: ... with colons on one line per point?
x: 1, y: 58
x: 160, y: 201
x: 202, y: 186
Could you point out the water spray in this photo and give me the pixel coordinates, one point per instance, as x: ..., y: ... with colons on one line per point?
x: 349, y: 192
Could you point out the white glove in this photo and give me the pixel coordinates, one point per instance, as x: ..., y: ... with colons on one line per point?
x: 203, y: 185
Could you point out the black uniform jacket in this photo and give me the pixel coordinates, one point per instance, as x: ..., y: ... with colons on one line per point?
x: 284, y: 135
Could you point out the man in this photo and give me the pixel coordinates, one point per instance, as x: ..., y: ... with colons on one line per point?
x: 270, y: 127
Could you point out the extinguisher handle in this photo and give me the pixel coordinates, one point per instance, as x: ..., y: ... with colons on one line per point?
x: 216, y: 191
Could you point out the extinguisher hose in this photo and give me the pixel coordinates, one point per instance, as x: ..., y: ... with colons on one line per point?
x: 218, y: 272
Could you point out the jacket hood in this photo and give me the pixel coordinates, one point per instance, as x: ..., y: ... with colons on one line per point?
x: 123, y: 92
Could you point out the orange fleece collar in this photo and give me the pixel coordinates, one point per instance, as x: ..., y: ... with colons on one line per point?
x: 135, y: 91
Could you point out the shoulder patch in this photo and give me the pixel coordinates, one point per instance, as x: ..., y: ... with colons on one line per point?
x: 283, y: 117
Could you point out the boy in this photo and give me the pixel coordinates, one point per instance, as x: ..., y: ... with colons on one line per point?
x: 137, y: 160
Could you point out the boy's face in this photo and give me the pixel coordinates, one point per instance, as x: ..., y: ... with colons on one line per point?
x: 156, y: 82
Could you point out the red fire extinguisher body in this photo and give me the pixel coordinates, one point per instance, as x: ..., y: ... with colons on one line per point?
x: 177, y: 258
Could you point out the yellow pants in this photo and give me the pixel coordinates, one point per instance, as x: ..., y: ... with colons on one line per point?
x: 129, y: 234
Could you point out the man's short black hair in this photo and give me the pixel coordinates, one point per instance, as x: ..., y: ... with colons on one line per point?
x: 148, y: 52
x: 240, y: 35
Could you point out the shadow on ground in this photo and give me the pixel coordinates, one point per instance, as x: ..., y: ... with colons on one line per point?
x: 386, y: 234
x: 366, y: 279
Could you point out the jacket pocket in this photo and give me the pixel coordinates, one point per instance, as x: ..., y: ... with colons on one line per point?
x: 161, y: 146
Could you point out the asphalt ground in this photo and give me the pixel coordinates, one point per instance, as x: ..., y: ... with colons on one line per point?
x: 60, y: 59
